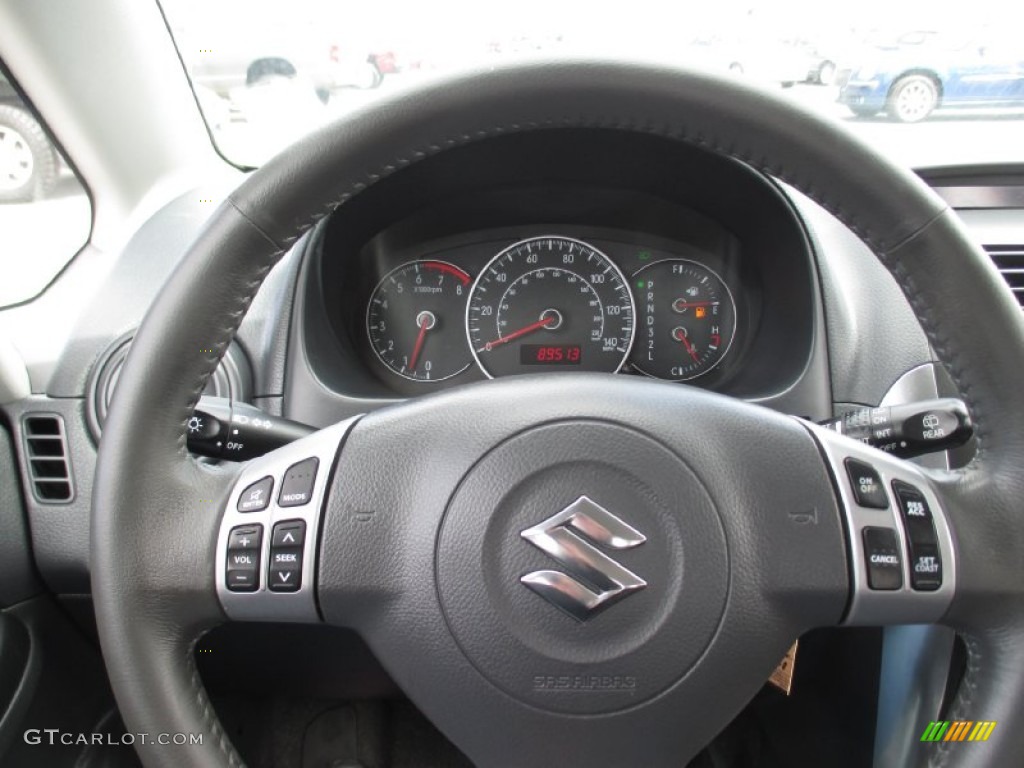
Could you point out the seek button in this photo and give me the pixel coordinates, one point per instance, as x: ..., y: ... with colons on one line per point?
x: 285, y: 570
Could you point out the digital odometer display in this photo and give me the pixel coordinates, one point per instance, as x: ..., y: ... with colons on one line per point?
x: 550, y: 301
x: 547, y: 354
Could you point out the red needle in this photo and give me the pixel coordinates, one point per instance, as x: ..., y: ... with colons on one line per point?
x: 689, y: 347
x: 424, y: 327
x: 542, y: 323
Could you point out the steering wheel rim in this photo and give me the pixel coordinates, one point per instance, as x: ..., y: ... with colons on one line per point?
x: 156, y: 511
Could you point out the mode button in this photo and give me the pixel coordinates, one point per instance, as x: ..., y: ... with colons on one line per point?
x: 297, y: 485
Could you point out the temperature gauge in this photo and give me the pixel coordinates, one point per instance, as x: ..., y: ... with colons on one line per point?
x: 686, y: 320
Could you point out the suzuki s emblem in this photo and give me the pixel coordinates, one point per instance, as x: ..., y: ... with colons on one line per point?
x: 594, y: 581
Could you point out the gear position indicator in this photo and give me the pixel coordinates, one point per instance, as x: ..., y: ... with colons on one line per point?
x: 687, y: 320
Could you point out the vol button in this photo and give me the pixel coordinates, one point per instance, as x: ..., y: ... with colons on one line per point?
x: 243, y: 560
x: 245, y: 537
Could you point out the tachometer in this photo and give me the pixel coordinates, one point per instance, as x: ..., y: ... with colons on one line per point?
x: 550, y: 302
x: 414, y: 321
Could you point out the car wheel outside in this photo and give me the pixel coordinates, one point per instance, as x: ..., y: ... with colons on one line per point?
x: 370, y: 77
x: 861, y: 111
x: 28, y: 163
x: 826, y: 73
x: 912, y: 98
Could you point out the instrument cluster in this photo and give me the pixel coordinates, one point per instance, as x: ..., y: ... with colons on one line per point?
x: 551, y: 301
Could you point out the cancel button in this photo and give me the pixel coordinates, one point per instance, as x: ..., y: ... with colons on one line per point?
x: 882, y: 553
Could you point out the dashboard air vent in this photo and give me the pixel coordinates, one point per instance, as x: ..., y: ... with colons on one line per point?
x: 46, y: 450
x: 233, y: 379
x: 1009, y: 260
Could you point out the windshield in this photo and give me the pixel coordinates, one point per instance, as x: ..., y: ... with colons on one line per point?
x: 928, y: 83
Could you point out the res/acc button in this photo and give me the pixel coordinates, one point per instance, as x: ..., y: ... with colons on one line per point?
x: 925, y: 559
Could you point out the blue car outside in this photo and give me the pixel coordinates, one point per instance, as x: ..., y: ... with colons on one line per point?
x: 910, y: 82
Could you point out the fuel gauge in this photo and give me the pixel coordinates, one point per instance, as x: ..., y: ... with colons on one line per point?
x: 686, y: 320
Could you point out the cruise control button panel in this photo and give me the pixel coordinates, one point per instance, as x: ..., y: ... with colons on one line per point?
x: 902, y: 555
x: 268, y: 531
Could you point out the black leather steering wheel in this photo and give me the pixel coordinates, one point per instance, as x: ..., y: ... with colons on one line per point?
x: 414, y: 524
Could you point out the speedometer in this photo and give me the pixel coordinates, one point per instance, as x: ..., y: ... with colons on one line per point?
x: 550, y: 302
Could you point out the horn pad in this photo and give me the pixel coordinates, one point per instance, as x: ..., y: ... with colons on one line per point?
x: 582, y: 567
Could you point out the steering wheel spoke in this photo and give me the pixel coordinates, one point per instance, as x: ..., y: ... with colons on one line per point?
x: 267, y: 543
x: 902, y: 553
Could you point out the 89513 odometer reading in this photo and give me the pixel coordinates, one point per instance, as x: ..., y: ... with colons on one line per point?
x: 550, y: 301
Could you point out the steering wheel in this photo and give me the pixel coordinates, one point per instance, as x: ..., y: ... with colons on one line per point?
x: 562, y: 569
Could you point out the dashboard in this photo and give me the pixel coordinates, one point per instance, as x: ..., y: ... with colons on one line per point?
x: 661, y: 261
x: 820, y: 326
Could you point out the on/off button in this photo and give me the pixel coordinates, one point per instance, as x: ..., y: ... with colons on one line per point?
x: 297, y: 485
x: 867, y: 485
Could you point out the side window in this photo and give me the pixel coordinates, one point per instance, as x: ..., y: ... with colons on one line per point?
x: 45, y: 214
